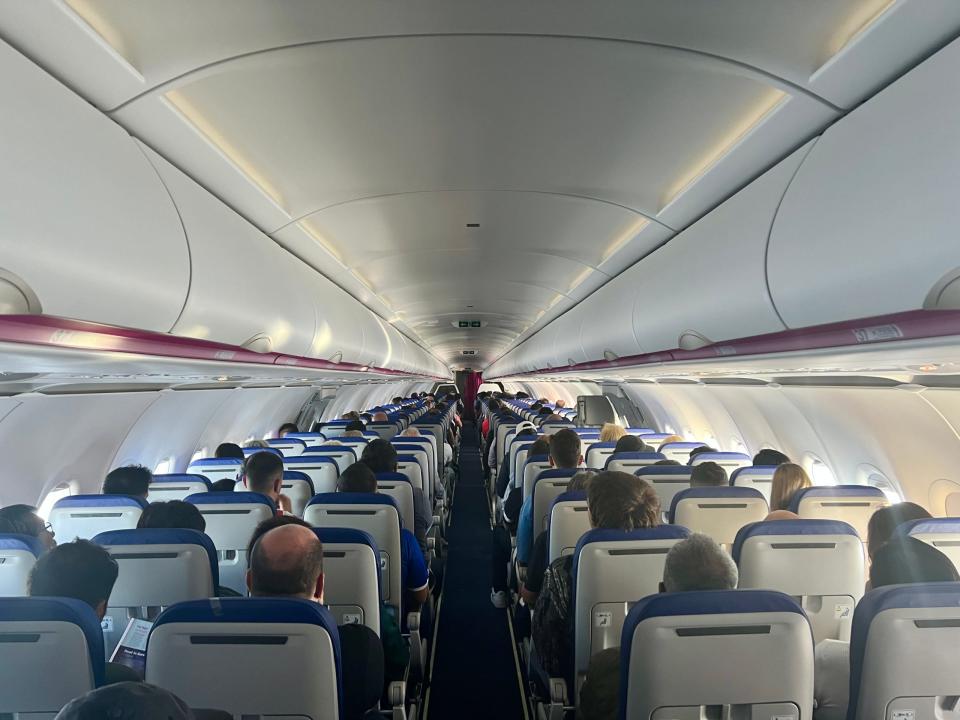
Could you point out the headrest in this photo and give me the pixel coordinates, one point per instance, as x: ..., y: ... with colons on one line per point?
x: 719, y: 457
x: 571, y: 496
x: 353, y: 441
x: 411, y: 447
x: 680, y: 445
x: 297, y: 475
x: 392, y: 477
x: 603, y: 446
x: 79, y: 501
x: 350, y: 536
x: 762, y: 470
x: 16, y: 541
x: 163, y: 536
x: 251, y: 451
x: 321, y: 449
x: 724, y: 492
x: 288, y: 440
x: 683, y: 471
x: 217, y: 463
x: 555, y: 474
x: 305, y: 436
x: 536, y: 459
x: 59, y: 609
x: 943, y: 525
x: 526, y: 425
x: 179, y: 478
x: 231, y: 497
x: 352, y: 498
x: 599, y: 535
x: 835, y: 491
x: 789, y: 527
x: 915, y: 595
x: 309, y: 460
x: 635, y: 455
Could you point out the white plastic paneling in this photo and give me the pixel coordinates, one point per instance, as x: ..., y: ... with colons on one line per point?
x: 84, y: 219
x: 607, y: 323
x: 566, y: 343
x: 869, y: 223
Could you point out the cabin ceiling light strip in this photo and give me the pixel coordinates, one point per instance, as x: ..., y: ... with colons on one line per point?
x: 322, y: 242
x: 766, y: 108
x: 866, y: 16
x: 625, y: 237
x: 580, y: 279
x: 94, y: 24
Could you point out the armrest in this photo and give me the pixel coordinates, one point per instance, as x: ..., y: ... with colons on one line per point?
x: 413, y: 621
x: 397, y: 695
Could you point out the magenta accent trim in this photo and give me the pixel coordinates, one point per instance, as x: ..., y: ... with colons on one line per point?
x: 911, y: 325
x: 50, y: 331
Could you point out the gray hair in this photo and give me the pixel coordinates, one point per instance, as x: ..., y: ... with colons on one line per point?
x: 698, y: 563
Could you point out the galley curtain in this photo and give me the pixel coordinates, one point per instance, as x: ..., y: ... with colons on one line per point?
x: 474, y: 380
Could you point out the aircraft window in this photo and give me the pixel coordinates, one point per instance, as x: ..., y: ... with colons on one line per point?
x: 869, y: 475
x: 164, y: 466
x: 820, y: 472
x: 60, y: 491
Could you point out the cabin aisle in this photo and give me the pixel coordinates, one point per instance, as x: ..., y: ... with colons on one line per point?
x: 474, y: 671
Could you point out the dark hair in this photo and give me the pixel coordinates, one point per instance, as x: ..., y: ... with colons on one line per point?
x: 908, y: 560
x: 262, y: 470
x: 668, y: 462
x: 287, y: 427
x: 224, y: 485
x: 565, y: 448
x: 708, y: 474
x: 365, y: 417
x: 20, y: 520
x: 131, y: 480
x: 357, y: 478
x: 354, y: 425
x: 397, y: 400
x: 621, y: 501
x: 125, y: 700
x: 269, y: 524
x: 545, y: 411
x: 78, y: 569
x: 629, y: 443
x: 697, y: 450
x: 885, y: 520
x: 380, y: 456
x: 769, y: 456
x: 172, y: 514
x: 541, y: 446
x: 229, y: 450
x: 296, y: 576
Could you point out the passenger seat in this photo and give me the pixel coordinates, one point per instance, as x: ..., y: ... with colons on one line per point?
x: 83, y: 516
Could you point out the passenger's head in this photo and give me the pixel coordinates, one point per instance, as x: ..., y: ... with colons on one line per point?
x: 565, y: 449
x: 904, y: 559
x: 397, y: 400
x: 544, y: 412
x: 698, y: 563
x: 355, y: 425
x: 380, y: 417
x: 620, y: 501
x: 79, y: 570
x: 540, y: 446
x: 708, y: 474
x: 256, y: 444
x: 885, y: 521
x: 172, y: 514
x: 132, y: 480
x: 265, y: 526
x: 357, y: 478
x: 23, y: 520
x: 411, y: 432
x: 667, y: 462
x: 229, y: 450
x: 670, y: 439
x: 128, y: 701
x: 581, y: 481
x: 769, y: 456
x: 698, y: 450
x: 352, y: 434
x: 787, y: 480
x: 629, y: 443
x: 561, y: 403
x: 380, y: 456
x: 287, y: 561
x: 365, y: 418
x: 223, y: 485
x: 287, y: 428
x: 611, y: 432
x: 263, y: 473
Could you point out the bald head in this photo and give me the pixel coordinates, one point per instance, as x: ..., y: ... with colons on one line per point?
x: 380, y: 417
x: 287, y: 562
x: 410, y: 432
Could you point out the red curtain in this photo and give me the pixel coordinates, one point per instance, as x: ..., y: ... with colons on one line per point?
x: 474, y: 381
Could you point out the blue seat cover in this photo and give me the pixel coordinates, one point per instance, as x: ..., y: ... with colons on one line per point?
x: 79, y: 501
x: 16, y: 541
x: 250, y: 452
x: 634, y: 455
x: 286, y: 441
x: 297, y: 475
x: 929, y: 525
x: 230, y: 497
x: 789, y: 527
x: 219, y: 462
x: 764, y: 470
x: 163, y: 536
x: 835, y: 491
x: 180, y: 478
x: 726, y: 492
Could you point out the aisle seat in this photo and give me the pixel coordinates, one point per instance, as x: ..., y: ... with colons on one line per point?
x: 569, y: 520
x: 176, y: 486
x: 630, y: 462
x: 309, y: 438
x: 214, y: 469
x: 18, y: 554
x: 322, y: 470
x: 298, y: 487
x: 817, y: 562
x: 667, y: 481
x: 854, y: 504
x: 597, y: 454
x: 249, y: 451
x: 398, y: 486
x: 231, y: 518
x: 264, y: 636
x: 351, y: 571
x: 343, y: 455
x: 729, y: 461
x: 548, y: 486
x: 679, y: 451
x: 51, y: 651
x: 758, y: 477
x: 719, y: 512
x: 942, y: 533
x: 690, y: 654
x: 534, y: 465
x: 83, y: 516
x: 289, y: 446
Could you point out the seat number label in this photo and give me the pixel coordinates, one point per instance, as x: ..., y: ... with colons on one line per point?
x: 904, y: 715
x: 351, y: 619
x: 602, y: 619
x: 842, y: 611
x: 107, y: 624
x: 877, y: 333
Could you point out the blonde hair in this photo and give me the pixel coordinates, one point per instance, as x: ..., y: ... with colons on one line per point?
x: 787, y: 480
x: 611, y: 432
x: 669, y: 439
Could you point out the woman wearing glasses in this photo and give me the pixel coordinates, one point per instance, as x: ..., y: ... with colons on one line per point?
x: 23, y: 520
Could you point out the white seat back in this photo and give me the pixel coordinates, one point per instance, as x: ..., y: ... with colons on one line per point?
x: 719, y: 512
x: 176, y: 487
x: 531, y: 469
x: 83, y: 516
x: 323, y: 471
x: 289, y: 446
x: 941, y: 533
x: 596, y: 455
x: 853, y: 504
x: 758, y: 477
x: 569, y: 520
x: 351, y: 569
x: 667, y: 481
x: 214, y: 469
x: 679, y: 451
x: 729, y: 461
x: 18, y: 554
x: 298, y: 488
x: 817, y: 562
x: 630, y: 462
x: 343, y: 455
x: 549, y: 485
x: 397, y: 485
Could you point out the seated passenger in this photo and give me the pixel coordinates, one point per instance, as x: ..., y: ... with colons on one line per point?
x: 708, y: 474
x: 697, y: 450
x: 355, y: 426
x: 631, y: 443
x: 82, y: 571
x: 381, y: 457
x: 768, y: 457
x: 263, y: 473
x: 525, y: 430
x: 691, y: 565
x: 23, y: 520
x: 359, y: 478
x: 380, y: 417
x: 287, y: 562
x: 611, y: 432
x: 560, y: 404
x: 256, y: 444
x: 564, y: 454
x: 286, y: 429
x: 899, y: 561
x: 668, y: 462
x: 669, y: 439
x: 788, y: 478
x: 229, y: 450
x: 134, y: 701
x: 885, y: 521
x: 615, y: 501
x: 132, y: 480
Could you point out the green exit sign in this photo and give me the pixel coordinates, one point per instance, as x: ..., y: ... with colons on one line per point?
x: 469, y: 323
x: 463, y: 323
x: 474, y: 323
